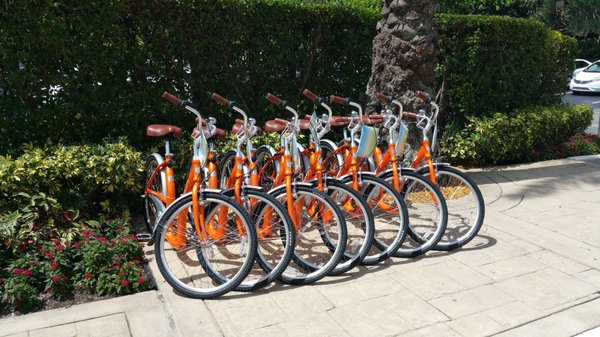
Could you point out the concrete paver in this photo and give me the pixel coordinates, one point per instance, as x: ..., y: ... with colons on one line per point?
x: 534, y: 268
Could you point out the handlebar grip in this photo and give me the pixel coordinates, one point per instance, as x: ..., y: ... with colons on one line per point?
x: 219, y: 99
x: 383, y: 97
x: 310, y: 95
x: 410, y: 115
x: 423, y: 96
x: 171, y: 98
x: 274, y: 99
x: 337, y: 99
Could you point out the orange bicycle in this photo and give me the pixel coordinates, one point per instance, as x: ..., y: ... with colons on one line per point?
x: 426, y: 216
x: 321, y: 232
x: 204, y: 242
x: 359, y: 219
x: 465, y: 205
x: 275, y: 229
x: 388, y: 209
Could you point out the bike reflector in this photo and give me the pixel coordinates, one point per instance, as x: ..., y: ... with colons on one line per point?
x: 401, y: 139
x: 367, y: 142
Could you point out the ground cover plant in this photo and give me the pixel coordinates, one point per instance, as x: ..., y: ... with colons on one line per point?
x: 44, y: 266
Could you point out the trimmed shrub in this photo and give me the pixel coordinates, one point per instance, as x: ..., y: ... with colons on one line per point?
x: 88, y: 70
x: 499, y: 64
x: 515, y: 8
x: 507, y: 138
x: 103, y: 178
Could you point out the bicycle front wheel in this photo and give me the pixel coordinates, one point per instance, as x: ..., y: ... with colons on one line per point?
x: 466, y: 208
x: 275, y: 234
x: 360, y: 224
x: 427, y: 212
x: 206, y: 266
x: 320, y: 234
x: 390, y: 215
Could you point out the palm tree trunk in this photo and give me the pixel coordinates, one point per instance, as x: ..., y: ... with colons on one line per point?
x: 404, y: 50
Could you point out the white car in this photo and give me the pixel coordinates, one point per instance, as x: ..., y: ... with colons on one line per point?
x: 586, y: 79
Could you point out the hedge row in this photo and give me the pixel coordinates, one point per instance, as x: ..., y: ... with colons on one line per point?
x: 87, y: 70
x: 507, y: 138
x: 93, y: 179
x: 499, y: 64
x: 79, y: 72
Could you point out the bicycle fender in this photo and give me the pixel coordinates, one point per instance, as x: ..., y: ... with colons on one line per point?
x: 424, y: 168
x: 160, y: 160
x: 280, y: 187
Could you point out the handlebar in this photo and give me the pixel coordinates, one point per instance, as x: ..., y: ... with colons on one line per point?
x: 384, y: 98
x: 231, y: 105
x: 338, y: 100
x: 275, y: 100
x: 172, y: 98
x: 219, y: 99
x: 423, y: 96
x: 410, y: 115
x: 309, y: 94
x: 285, y: 105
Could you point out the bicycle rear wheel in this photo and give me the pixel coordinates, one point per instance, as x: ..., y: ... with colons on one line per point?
x: 226, y: 163
x: 153, y: 207
x: 267, y: 167
x: 209, y: 267
x: 466, y: 208
x: 320, y: 238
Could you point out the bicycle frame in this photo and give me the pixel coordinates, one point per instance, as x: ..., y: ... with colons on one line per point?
x: 176, y: 234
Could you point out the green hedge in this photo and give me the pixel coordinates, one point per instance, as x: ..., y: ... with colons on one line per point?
x: 589, y: 48
x: 514, y: 8
x: 502, y: 138
x: 499, y: 64
x: 91, y: 69
x: 103, y: 178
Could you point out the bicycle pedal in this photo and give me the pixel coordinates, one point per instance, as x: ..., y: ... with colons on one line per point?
x: 144, y: 237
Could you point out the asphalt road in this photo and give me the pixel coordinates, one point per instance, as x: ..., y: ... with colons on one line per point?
x: 591, y: 100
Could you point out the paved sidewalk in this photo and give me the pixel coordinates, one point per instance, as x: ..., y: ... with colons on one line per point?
x: 534, y: 270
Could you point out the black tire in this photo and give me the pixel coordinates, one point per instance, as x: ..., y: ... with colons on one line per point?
x: 152, y: 209
x: 194, y: 270
x: 360, y: 224
x: 427, y: 212
x: 390, y: 215
x: 274, y: 250
x: 466, y: 207
x: 314, y: 257
x: 226, y: 163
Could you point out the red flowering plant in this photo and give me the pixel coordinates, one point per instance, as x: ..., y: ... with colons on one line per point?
x: 110, y: 260
x: 105, y: 258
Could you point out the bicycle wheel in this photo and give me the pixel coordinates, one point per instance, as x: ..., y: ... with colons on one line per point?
x: 267, y: 167
x: 466, y: 208
x: 226, y: 163
x: 427, y: 212
x: 206, y: 268
x: 390, y: 215
x: 153, y: 207
x: 317, y: 217
x: 360, y: 224
x: 276, y: 238
x: 331, y: 161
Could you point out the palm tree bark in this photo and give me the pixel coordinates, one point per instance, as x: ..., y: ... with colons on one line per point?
x: 404, y: 50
